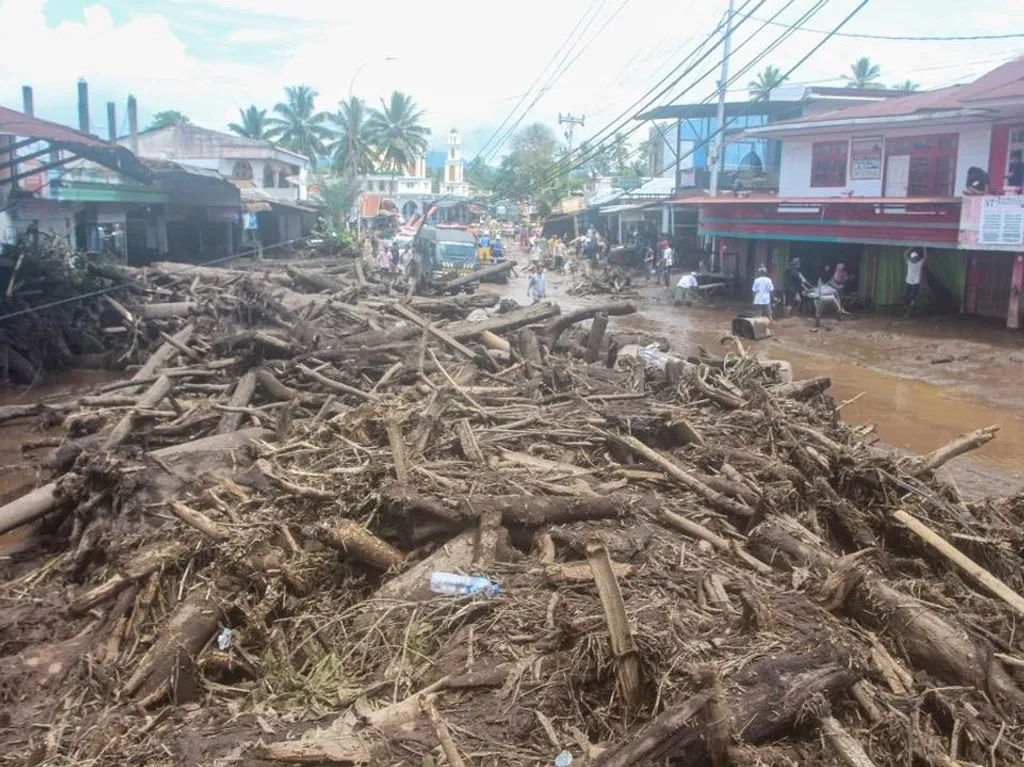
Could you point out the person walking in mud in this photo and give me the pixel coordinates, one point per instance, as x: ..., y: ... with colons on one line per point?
x: 762, y: 289
x: 915, y: 260
x: 793, y: 286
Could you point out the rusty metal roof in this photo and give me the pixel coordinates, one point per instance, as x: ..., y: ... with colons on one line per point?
x: 20, y: 125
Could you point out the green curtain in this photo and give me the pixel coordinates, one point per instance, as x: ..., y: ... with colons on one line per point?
x: 949, y: 267
x: 889, y: 276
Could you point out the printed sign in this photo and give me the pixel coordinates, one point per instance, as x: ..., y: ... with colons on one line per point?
x: 1002, y: 221
x: 251, y: 221
x: 866, y: 158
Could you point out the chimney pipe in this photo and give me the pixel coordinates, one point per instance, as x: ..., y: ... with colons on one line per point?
x: 83, y: 106
x: 112, y: 121
x: 26, y: 99
x: 133, y: 124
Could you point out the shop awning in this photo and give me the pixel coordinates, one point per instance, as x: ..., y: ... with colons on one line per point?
x: 369, y: 205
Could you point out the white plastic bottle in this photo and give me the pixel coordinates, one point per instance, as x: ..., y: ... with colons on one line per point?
x: 460, y: 585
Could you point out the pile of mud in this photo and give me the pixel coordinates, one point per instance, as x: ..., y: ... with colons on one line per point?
x: 697, y: 561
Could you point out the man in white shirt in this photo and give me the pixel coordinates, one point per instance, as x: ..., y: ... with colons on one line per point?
x: 762, y: 289
x: 668, y: 258
x: 686, y: 290
x: 915, y: 259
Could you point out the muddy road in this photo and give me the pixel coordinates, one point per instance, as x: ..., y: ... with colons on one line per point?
x: 921, y: 382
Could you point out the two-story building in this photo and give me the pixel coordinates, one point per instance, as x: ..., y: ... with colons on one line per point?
x: 861, y: 184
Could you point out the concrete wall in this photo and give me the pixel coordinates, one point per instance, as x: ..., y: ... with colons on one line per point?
x: 795, y: 178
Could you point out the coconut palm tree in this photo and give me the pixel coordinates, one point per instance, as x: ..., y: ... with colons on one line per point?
x: 396, y: 130
x: 168, y: 117
x: 768, y: 79
x: 353, y: 151
x: 253, y: 124
x: 298, y: 126
x: 864, y: 74
x: 906, y: 86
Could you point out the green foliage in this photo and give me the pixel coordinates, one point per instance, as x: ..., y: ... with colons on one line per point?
x: 864, y: 74
x: 336, y: 197
x: 907, y: 86
x: 353, y: 151
x: 768, y: 79
x: 397, y: 131
x: 297, y: 125
x: 253, y: 123
x: 168, y: 117
x: 480, y: 175
x: 524, y: 173
x: 436, y: 176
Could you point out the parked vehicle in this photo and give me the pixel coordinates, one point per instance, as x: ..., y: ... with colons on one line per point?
x: 444, y: 253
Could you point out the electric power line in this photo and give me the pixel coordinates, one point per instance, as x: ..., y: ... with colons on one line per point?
x: 904, y: 38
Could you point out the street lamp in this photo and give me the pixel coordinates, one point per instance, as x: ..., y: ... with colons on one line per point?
x: 351, y: 160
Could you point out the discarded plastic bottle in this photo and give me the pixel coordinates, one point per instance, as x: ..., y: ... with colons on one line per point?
x: 564, y: 759
x: 655, y: 357
x: 450, y: 583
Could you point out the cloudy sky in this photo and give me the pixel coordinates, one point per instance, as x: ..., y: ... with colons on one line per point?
x: 466, y: 66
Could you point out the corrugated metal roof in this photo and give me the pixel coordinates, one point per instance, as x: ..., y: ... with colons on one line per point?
x: 18, y: 124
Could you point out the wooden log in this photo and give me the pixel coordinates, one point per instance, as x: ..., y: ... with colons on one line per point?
x: 554, y: 329
x: 454, y: 286
x: 467, y: 441
x: 441, y: 335
x: 619, y: 632
x: 693, y: 529
x: 319, y: 748
x: 240, y: 398
x: 171, y: 657
x: 529, y: 350
x: 120, y: 308
x: 316, y: 281
x: 495, y: 342
x: 522, y: 510
x: 850, y: 752
x: 182, y: 348
x: 801, y: 389
x: 654, y: 735
x: 517, y: 318
x: 354, y: 540
x: 597, y: 330
x: 337, y: 386
x: 360, y: 275
x: 958, y: 446
x: 148, y: 401
x: 566, y: 573
x: 444, y: 736
x: 10, y: 412
x: 145, y: 561
x: 200, y: 522
x: 161, y: 357
x: 396, y: 441
x: 677, y: 472
x: 167, y: 310
x: 978, y: 573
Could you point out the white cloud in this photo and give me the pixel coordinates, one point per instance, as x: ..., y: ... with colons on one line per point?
x: 462, y: 64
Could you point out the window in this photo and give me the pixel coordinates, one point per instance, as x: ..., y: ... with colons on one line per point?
x: 1012, y: 174
x: 268, y: 177
x: 828, y: 163
x: 241, y: 170
x: 932, y: 163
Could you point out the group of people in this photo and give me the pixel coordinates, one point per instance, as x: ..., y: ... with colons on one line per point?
x: 387, y: 258
x: 660, y: 261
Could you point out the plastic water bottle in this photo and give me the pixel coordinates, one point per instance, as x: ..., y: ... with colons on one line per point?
x: 460, y: 585
x: 655, y: 357
x: 564, y: 759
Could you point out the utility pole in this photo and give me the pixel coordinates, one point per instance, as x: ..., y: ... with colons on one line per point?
x: 716, y: 152
x: 572, y: 122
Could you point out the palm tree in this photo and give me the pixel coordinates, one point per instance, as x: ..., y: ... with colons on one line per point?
x: 865, y: 74
x: 768, y: 79
x: 353, y: 151
x: 253, y: 124
x: 299, y: 127
x: 906, y: 86
x: 396, y: 130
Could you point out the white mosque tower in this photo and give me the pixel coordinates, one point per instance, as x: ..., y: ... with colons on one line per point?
x: 454, y: 181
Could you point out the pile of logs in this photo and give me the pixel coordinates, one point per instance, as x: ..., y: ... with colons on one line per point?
x: 231, y: 559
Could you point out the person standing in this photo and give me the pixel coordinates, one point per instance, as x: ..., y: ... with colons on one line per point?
x: 915, y: 259
x: 794, y: 284
x: 536, y: 286
x: 668, y: 257
x: 762, y: 289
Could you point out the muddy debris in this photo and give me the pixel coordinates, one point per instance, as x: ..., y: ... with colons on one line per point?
x: 699, y: 563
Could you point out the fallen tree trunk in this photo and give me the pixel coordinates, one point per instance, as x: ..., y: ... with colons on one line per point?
x: 959, y: 446
x: 153, y: 397
x: 29, y: 507
x: 241, y: 397
x: 801, y: 389
x: 167, y: 310
x: 554, y: 329
x: 456, y: 285
x: 315, y: 281
x: 161, y: 357
x: 147, y: 560
x: 517, y: 318
x: 354, y: 540
x: 10, y: 412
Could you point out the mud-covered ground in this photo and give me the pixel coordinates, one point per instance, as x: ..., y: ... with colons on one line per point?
x: 921, y: 381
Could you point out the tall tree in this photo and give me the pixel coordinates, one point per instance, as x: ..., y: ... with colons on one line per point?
x: 526, y: 171
x: 768, y: 79
x: 481, y: 175
x: 620, y: 154
x: 864, y: 74
x: 353, y: 150
x: 168, y: 117
x: 397, y: 130
x: 298, y: 126
x: 253, y: 123
x: 336, y: 196
x: 907, y: 86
